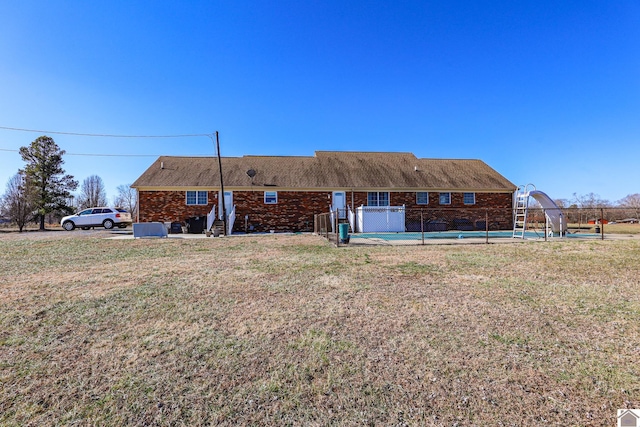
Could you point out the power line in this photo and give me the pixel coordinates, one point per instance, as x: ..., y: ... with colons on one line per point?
x: 110, y: 155
x: 106, y: 135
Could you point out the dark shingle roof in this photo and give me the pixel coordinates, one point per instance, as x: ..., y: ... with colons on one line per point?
x: 325, y: 170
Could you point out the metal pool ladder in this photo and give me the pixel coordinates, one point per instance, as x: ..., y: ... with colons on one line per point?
x: 522, y: 204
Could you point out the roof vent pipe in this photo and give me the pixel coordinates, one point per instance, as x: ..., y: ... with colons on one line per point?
x: 415, y: 168
x: 161, y: 165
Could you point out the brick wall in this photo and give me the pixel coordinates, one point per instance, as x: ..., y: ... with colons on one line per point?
x: 499, y: 207
x: 171, y: 206
x: 483, y: 200
x: 295, y: 210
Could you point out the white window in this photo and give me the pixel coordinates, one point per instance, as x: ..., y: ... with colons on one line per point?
x: 197, y: 197
x: 422, y: 198
x: 270, y: 197
x: 445, y: 198
x: 469, y: 198
x: 378, y: 198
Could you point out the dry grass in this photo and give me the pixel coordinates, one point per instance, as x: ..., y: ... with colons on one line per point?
x: 622, y: 228
x: 286, y: 330
x: 616, y: 228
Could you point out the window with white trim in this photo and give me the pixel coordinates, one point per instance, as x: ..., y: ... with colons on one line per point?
x: 422, y: 198
x: 378, y: 198
x: 270, y: 197
x: 445, y: 198
x: 469, y: 198
x: 197, y: 197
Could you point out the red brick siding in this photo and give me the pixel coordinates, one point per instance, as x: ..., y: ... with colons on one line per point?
x: 499, y: 205
x: 171, y: 206
x: 408, y: 198
x: 295, y: 210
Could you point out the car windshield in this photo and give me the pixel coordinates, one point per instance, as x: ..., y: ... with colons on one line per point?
x: 121, y: 210
x: 86, y: 212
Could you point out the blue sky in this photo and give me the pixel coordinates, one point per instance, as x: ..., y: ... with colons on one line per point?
x: 545, y: 92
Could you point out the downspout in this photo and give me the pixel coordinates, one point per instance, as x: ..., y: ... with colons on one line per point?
x: 352, y: 201
x: 353, y: 206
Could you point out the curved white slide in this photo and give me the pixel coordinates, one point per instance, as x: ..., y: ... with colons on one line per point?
x: 556, y: 219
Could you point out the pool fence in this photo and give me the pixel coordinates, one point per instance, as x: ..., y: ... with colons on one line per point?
x: 411, y: 226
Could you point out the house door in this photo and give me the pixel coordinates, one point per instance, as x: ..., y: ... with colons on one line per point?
x: 340, y: 203
x: 228, y: 203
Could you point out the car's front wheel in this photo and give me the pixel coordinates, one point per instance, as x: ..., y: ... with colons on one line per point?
x: 68, y: 225
x: 108, y: 224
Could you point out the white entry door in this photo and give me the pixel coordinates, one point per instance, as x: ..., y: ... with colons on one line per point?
x: 228, y: 203
x: 340, y: 203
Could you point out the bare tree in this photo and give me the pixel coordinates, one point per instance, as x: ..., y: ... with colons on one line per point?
x: 18, y: 203
x: 571, y: 210
x: 591, y: 203
x: 72, y: 202
x: 591, y: 200
x: 92, y: 193
x: 632, y: 202
x: 127, y: 198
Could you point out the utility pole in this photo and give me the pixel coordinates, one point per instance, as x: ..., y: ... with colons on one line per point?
x: 224, y: 208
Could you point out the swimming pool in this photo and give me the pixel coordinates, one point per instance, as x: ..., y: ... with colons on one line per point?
x: 459, y: 235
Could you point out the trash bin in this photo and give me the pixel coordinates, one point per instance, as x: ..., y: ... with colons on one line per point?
x: 343, y: 230
x: 436, y: 225
x: 176, y: 228
x: 196, y: 225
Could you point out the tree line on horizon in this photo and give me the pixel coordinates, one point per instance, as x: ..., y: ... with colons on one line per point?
x: 43, y: 192
x: 586, y: 207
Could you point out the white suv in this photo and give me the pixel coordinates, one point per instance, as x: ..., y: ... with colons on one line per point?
x: 97, y: 217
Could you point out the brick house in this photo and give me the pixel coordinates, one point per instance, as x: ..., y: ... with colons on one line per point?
x: 283, y: 193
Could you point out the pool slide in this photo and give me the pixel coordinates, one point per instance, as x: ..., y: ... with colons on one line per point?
x: 556, y: 219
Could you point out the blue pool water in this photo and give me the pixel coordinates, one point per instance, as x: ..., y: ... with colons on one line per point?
x: 459, y: 235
